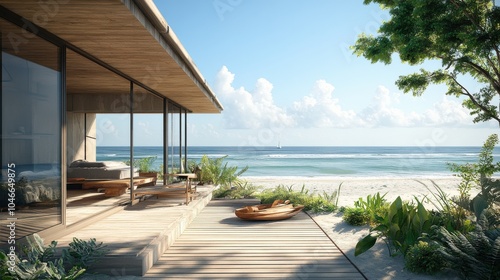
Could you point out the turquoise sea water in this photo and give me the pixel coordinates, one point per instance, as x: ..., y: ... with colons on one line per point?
x: 322, y: 161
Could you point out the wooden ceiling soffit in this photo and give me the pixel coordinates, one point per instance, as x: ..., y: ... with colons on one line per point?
x: 121, y: 35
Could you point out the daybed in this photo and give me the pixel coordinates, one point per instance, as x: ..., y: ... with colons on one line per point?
x: 100, y: 170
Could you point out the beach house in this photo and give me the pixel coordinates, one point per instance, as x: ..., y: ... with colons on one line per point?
x: 63, y: 63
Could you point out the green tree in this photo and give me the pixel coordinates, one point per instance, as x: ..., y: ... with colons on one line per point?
x: 463, y: 34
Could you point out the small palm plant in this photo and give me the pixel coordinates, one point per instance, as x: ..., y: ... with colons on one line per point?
x: 217, y: 172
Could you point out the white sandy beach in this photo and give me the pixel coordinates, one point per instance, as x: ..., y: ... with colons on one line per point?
x: 376, y: 263
x: 356, y: 187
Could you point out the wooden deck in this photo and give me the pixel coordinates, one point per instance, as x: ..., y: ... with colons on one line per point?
x: 218, y: 245
x: 137, y: 235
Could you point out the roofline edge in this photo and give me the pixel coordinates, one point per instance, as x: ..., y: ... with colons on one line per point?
x: 153, y: 15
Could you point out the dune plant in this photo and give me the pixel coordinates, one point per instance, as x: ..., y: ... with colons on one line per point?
x: 355, y: 216
x: 401, y: 227
x: 374, y: 205
x: 475, y: 255
x: 424, y: 257
x: 479, y: 174
x: 316, y: 203
x: 366, y: 211
x: 240, y: 189
x: 450, y: 214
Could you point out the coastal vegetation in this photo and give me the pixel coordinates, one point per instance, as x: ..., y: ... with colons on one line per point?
x: 230, y: 186
x: 323, y: 202
x: 216, y: 171
x: 37, y: 261
x: 460, y: 234
x: 144, y: 164
x: 240, y: 189
x: 366, y: 211
x: 145, y: 167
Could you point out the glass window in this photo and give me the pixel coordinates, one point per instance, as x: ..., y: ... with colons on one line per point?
x: 148, y: 134
x: 30, y: 132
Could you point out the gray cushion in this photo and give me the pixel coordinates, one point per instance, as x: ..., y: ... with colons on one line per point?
x: 84, y: 163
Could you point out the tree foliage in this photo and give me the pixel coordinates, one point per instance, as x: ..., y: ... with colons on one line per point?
x: 463, y: 34
x: 480, y: 174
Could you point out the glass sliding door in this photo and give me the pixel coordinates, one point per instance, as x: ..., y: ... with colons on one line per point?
x: 31, y: 127
x: 97, y: 135
x: 148, y: 134
x: 174, y: 141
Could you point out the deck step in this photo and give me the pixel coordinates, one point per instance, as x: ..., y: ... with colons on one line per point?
x: 139, y: 234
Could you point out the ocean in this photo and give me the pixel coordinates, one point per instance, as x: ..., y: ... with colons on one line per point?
x: 425, y: 162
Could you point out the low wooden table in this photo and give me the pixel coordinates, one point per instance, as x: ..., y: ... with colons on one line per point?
x: 189, y: 190
x: 115, y: 187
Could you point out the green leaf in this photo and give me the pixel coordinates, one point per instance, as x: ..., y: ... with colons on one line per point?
x: 479, y: 203
x: 462, y: 35
x: 365, y: 244
x: 394, y: 209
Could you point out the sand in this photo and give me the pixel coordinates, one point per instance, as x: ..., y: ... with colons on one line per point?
x: 375, y: 263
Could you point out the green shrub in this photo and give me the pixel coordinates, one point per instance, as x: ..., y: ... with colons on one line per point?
x: 479, y: 174
x: 241, y: 189
x: 449, y: 214
x: 39, y: 262
x: 216, y: 171
x: 475, y: 255
x: 83, y: 253
x: 400, y: 227
x: 355, y: 216
x: 374, y: 206
x: 144, y: 164
x: 316, y: 203
x: 424, y: 257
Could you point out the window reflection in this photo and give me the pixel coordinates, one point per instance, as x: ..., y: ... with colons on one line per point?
x: 30, y: 133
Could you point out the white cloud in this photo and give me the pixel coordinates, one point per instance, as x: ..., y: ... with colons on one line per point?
x: 382, y: 112
x: 245, y: 109
x: 449, y: 113
x: 320, y: 109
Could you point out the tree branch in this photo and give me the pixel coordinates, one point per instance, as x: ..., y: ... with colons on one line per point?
x: 493, y: 66
x: 494, y: 46
x: 474, y: 100
x: 485, y: 73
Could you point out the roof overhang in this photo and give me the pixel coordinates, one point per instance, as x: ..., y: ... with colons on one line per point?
x: 130, y: 36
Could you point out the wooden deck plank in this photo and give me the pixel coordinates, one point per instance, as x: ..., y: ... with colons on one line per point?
x: 244, y: 276
x: 218, y: 245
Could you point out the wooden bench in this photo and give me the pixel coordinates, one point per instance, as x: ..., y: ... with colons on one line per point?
x: 171, y: 190
x: 115, y: 187
x: 181, y: 188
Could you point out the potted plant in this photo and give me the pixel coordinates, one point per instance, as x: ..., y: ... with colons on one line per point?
x: 145, y: 168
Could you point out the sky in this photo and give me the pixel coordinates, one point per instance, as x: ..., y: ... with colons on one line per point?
x: 284, y: 73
